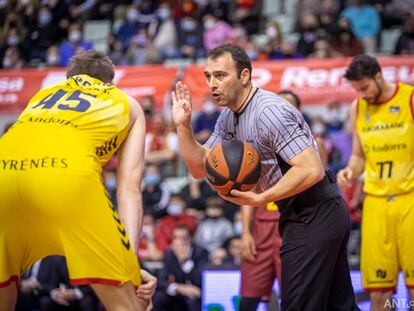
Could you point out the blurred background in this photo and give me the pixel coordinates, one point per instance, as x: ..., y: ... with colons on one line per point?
x: 297, y: 45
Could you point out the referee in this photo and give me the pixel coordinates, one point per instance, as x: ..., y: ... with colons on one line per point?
x: 314, y: 221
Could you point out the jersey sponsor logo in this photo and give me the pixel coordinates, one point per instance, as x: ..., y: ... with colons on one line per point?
x: 381, y: 274
x: 28, y: 163
x: 394, y: 109
x: 52, y: 120
x: 107, y: 147
x: 383, y: 148
x: 383, y: 127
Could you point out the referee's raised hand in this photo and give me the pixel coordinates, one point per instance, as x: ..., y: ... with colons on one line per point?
x: 181, y: 109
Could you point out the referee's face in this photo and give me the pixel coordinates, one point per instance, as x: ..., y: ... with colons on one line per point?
x: 225, y: 87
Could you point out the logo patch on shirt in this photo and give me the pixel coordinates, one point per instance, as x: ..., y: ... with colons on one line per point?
x: 394, y: 109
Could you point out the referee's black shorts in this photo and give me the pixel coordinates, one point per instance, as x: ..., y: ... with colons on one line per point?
x: 315, y: 272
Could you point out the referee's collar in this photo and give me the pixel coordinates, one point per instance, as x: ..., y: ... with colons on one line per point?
x: 237, y: 114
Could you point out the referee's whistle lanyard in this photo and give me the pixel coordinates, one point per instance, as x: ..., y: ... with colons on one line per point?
x: 241, y: 109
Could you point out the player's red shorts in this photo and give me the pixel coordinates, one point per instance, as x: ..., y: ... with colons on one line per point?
x: 258, y: 277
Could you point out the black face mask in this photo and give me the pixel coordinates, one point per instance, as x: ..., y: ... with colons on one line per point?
x: 147, y: 112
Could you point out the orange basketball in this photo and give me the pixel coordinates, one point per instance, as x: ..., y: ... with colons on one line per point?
x: 233, y: 164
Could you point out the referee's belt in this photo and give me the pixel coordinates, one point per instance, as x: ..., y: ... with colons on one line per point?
x: 323, y: 190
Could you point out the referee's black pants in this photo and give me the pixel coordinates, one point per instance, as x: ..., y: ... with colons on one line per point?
x: 315, y: 271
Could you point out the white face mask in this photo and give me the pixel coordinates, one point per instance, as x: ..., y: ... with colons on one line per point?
x: 209, y: 108
x: 318, y: 128
x: 175, y: 209
x: 74, y: 36
x: 13, y: 40
x: 271, y: 32
x: 132, y: 16
x: 209, y: 24
x: 7, y: 63
x: 53, y: 59
x: 238, y: 228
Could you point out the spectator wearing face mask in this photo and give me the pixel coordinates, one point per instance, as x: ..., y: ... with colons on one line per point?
x: 179, y: 282
x: 310, y: 32
x: 215, y: 228
x: 53, y: 56
x: 216, y: 32
x: 42, y: 35
x: 12, y: 59
x: 162, y: 32
x: 176, y: 210
x: 190, y: 38
x: 155, y: 193
x: 205, y: 121
x: 130, y: 26
x: 148, y: 250
x: 73, y: 45
x: 274, y: 36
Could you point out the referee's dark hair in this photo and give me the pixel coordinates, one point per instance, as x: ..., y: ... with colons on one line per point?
x: 237, y: 54
x: 297, y: 103
x: 362, y: 66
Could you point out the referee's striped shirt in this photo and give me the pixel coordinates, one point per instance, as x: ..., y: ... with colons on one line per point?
x: 275, y: 128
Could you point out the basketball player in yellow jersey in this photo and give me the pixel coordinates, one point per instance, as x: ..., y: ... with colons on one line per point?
x: 383, y: 149
x: 53, y: 201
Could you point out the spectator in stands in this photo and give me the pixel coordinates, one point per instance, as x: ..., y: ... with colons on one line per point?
x: 344, y: 41
x: 328, y: 16
x: 130, y: 27
x: 73, y: 45
x: 247, y: 13
x: 53, y: 277
x: 179, y: 283
x: 148, y: 250
x: 116, y: 50
x: 333, y: 118
x: 163, y: 33
x: 30, y: 290
x: 12, y: 59
x: 155, y: 193
x: 216, y: 32
x: 190, y: 38
x: 310, y: 32
x: 274, y: 36
x: 287, y: 51
x: 365, y: 22
x: 80, y: 10
x: 138, y: 52
x: 323, y: 50
x: 217, y: 8
x: 405, y: 43
x: 52, y: 56
x: 233, y: 247
x: 161, y: 145
x: 215, y: 228
x: 196, y: 192
x: 240, y: 35
x: 205, y: 121
x: 26, y: 9
x: 42, y: 35
x: 177, y: 215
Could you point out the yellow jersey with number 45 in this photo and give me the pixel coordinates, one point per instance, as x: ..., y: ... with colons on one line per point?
x: 78, y: 124
x: 386, y: 132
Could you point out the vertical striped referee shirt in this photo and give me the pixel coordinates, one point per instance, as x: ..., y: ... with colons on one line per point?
x: 274, y: 127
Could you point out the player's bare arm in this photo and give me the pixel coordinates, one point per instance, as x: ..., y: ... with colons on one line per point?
x: 356, y: 162
x: 192, y: 152
x: 306, y: 170
x: 249, y: 251
x: 129, y: 174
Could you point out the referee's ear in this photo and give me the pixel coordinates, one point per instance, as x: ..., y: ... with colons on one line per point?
x: 245, y: 76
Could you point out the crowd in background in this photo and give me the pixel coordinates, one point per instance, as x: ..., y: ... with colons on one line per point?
x: 186, y: 226
x: 48, y: 32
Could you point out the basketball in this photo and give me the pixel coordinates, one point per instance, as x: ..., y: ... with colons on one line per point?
x: 233, y: 164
